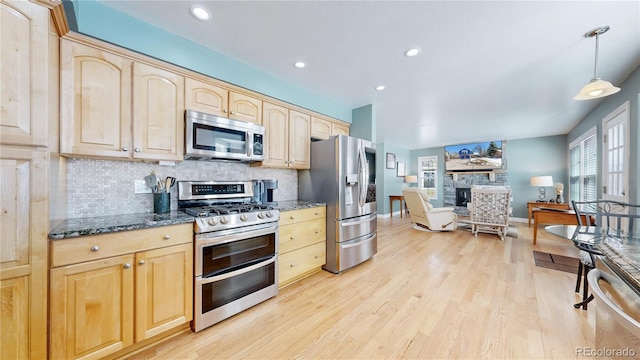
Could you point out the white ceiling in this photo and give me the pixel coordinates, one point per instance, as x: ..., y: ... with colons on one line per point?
x: 488, y: 70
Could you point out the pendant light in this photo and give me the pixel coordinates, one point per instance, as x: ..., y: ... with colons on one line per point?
x: 597, y: 88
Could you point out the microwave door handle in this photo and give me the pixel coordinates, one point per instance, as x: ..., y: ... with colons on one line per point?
x: 249, y: 144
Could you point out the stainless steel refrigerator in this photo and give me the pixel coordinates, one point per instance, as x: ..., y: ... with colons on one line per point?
x: 343, y: 175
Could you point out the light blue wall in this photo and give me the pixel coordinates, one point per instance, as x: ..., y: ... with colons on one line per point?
x: 363, y: 123
x: 535, y: 157
x: 102, y: 22
x: 630, y: 91
x: 439, y: 152
x: 388, y: 183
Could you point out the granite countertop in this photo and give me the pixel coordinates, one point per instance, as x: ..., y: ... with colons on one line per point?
x: 295, y: 204
x: 107, y: 224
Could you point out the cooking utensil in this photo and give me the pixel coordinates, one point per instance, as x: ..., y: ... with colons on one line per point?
x: 159, y: 185
x: 168, y: 183
x: 151, y: 181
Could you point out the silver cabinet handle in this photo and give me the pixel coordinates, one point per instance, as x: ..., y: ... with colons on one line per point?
x: 317, y: 213
x: 224, y: 111
x: 291, y: 217
x: 126, y: 266
x: 124, y: 148
x: 231, y: 113
x: 317, y: 231
x: 292, y: 265
x: 141, y: 262
x: 95, y: 248
x: 317, y: 256
x: 136, y: 149
x: 167, y: 237
x: 292, y: 237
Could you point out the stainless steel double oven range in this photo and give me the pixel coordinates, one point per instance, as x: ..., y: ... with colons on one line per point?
x: 236, y: 248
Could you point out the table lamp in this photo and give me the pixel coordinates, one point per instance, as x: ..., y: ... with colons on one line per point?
x: 541, y: 182
x: 411, y: 179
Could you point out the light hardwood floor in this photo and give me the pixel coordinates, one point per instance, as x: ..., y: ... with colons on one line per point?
x: 423, y: 296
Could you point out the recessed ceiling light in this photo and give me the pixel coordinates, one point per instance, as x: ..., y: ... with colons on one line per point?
x: 380, y: 87
x: 300, y: 64
x: 412, y: 52
x: 200, y: 12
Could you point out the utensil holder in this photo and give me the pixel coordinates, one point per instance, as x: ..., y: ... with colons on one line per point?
x: 161, y: 202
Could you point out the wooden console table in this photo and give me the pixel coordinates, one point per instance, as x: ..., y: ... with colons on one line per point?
x: 542, y: 216
x: 534, y: 204
x: 393, y: 198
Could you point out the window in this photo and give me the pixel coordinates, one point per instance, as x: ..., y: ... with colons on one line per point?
x: 428, y: 175
x: 615, y: 154
x: 583, y: 167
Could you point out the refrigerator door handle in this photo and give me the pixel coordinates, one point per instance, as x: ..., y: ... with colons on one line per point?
x: 359, y: 222
x: 361, y: 177
x: 359, y: 243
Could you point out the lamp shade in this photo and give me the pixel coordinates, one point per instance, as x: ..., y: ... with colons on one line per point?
x: 596, y: 89
x: 411, y: 179
x: 541, y: 181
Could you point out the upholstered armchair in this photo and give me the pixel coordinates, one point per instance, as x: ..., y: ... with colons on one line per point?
x: 489, y: 210
x: 425, y: 215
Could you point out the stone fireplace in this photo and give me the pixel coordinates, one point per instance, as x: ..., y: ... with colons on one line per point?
x: 457, y: 187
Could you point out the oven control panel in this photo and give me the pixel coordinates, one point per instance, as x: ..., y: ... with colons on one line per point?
x: 213, y: 189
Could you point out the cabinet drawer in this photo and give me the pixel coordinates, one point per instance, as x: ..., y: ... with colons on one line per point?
x: 86, y: 248
x: 299, y: 263
x: 299, y: 235
x: 294, y: 216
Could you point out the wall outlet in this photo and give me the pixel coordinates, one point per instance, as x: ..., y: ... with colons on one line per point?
x: 140, y: 187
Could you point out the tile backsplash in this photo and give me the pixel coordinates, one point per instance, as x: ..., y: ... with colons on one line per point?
x: 106, y: 187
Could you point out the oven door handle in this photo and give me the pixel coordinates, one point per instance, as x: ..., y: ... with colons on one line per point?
x: 237, y: 272
x: 223, y: 237
x: 622, y: 317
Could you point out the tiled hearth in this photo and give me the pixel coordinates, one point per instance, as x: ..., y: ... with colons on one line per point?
x: 452, y: 181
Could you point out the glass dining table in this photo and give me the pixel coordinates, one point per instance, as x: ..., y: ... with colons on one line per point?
x: 622, y: 251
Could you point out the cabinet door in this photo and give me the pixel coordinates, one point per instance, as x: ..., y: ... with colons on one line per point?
x: 23, y: 252
x: 339, y: 129
x: 299, y: 140
x: 299, y: 263
x: 95, y: 102
x: 164, y: 289
x: 320, y: 128
x: 24, y: 59
x: 91, y: 308
x: 245, y: 108
x: 276, y: 123
x: 158, y: 114
x: 206, y: 98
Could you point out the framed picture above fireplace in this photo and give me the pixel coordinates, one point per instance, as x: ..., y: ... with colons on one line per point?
x: 480, y: 156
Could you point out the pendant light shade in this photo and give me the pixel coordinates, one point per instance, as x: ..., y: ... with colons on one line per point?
x: 597, y: 88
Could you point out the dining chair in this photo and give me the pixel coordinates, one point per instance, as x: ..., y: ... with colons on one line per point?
x: 619, y: 219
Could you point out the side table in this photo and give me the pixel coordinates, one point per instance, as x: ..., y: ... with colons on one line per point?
x: 393, y: 198
x: 533, y: 204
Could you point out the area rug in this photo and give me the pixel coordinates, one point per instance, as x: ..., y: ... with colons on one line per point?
x: 556, y: 262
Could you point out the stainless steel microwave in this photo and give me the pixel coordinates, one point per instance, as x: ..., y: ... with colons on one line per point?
x: 216, y: 138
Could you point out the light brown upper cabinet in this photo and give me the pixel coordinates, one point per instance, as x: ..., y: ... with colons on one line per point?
x: 23, y: 93
x: 113, y: 107
x: 324, y: 129
x: 287, y: 137
x: 215, y: 100
x: 339, y: 129
x: 158, y: 114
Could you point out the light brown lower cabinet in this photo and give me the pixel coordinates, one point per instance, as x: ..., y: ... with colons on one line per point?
x: 102, y: 306
x: 301, y: 244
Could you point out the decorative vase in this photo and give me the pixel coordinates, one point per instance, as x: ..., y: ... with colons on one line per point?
x: 559, y: 199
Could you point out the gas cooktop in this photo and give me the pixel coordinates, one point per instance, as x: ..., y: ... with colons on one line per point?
x: 225, y: 209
